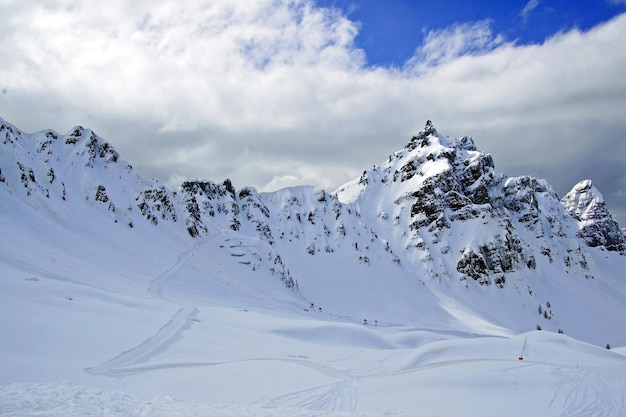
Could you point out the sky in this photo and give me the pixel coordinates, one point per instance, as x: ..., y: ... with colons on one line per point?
x: 276, y: 93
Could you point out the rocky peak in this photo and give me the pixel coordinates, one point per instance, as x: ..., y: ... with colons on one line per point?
x: 434, y: 190
x: 596, y: 224
x: 421, y: 139
x: 585, y: 202
x: 429, y: 129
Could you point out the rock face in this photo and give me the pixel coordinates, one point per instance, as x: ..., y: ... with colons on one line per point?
x: 436, y: 207
x: 596, y: 224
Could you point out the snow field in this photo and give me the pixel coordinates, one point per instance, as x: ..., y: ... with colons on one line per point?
x: 220, y: 351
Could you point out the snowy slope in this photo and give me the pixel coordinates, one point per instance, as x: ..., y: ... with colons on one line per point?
x: 422, y: 279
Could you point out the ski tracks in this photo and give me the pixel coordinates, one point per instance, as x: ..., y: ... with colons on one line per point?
x: 590, y: 392
x: 142, y: 352
x: 340, y: 396
x: 184, y: 317
x: 155, y: 286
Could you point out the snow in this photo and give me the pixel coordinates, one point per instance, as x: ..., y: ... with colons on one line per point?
x: 100, y: 319
x: 208, y: 336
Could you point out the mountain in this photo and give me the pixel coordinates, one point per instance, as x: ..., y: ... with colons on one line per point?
x: 423, y: 253
x: 435, y: 213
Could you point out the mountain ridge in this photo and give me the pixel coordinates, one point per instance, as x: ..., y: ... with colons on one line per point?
x: 435, y: 215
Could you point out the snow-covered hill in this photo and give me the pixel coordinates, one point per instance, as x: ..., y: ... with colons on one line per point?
x: 430, y: 266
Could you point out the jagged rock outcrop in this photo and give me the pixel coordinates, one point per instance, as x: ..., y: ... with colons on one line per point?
x: 205, y: 199
x: 156, y: 204
x: 441, y: 189
x: 533, y: 204
x: 596, y: 224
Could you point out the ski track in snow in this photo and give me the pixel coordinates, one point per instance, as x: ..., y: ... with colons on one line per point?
x: 120, y: 364
x: 171, y: 329
x: 587, y: 393
x: 340, y: 396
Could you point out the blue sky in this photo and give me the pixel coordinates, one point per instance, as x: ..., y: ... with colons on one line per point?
x: 278, y: 93
x: 390, y: 31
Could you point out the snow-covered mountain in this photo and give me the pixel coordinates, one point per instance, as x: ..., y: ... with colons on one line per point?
x: 435, y: 213
x: 433, y: 238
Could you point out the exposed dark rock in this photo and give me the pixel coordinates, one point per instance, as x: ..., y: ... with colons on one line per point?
x: 472, y: 265
x: 101, y: 194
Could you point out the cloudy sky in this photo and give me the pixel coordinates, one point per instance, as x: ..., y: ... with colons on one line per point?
x: 274, y: 93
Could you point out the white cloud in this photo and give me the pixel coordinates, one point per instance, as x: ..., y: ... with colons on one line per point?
x: 282, y: 181
x: 444, y: 45
x: 176, y: 180
x: 271, y: 92
x: 530, y: 6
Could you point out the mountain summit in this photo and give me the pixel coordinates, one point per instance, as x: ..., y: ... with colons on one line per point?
x: 443, y: 196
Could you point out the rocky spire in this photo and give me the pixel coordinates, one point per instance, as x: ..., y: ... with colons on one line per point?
x: 596, y: 224
x: 421, y: 139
